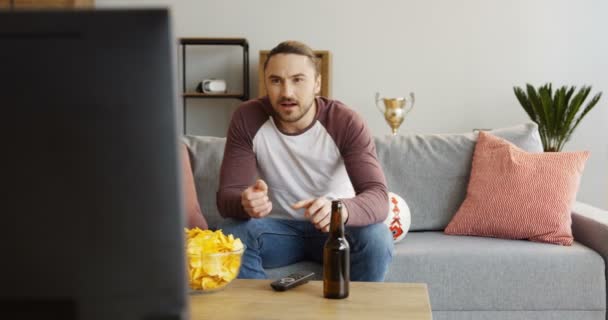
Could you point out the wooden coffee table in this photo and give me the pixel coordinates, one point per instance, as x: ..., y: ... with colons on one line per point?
x: 254, y: 299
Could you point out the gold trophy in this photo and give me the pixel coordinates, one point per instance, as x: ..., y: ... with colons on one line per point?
x: 395, y: 110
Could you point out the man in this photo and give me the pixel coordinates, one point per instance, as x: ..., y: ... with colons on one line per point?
x: 287, y: 155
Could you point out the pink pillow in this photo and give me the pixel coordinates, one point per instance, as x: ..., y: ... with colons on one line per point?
x: 194, y: 216
x: 514, y: 194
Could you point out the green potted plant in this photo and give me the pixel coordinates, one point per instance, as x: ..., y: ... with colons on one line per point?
x: 555, y: 113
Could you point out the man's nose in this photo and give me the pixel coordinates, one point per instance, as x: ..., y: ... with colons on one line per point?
x: 287, y: 89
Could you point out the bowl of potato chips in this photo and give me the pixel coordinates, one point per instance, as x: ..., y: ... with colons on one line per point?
x: 213, y: 259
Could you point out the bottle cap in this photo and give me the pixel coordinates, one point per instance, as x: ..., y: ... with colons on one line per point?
x: 336, y: 204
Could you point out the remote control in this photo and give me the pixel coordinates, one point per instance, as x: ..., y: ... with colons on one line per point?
x: 291, y: 281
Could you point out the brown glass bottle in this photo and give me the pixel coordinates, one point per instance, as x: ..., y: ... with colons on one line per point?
x: 336, y: 257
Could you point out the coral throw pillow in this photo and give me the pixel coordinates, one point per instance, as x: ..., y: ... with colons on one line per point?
x: 514, y: 194
x: 194, y: 216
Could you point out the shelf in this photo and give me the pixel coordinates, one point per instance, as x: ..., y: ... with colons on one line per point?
x: 212, y: 95
x: 214, y: 41
x: 244, y: 95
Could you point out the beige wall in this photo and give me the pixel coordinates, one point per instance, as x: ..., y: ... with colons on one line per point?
x: 460, y: 57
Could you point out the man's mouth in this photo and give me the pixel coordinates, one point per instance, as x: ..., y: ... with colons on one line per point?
x: 288, y: 104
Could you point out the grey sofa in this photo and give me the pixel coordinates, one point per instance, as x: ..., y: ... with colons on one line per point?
x: 467, y: 277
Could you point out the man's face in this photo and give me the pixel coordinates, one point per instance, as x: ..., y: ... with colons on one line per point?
x: 291, y: 84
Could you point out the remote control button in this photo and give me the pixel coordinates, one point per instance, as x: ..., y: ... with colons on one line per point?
x: 287, y: 280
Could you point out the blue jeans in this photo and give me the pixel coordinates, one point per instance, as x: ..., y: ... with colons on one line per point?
x: 273, y: 243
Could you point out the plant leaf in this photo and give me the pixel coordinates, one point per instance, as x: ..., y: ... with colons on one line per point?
x: 540, y: 114
x: 588, y: 108
x: 573, y: 109
x: 525, y: 103
x: 559, y: 102
x: 546, y: 101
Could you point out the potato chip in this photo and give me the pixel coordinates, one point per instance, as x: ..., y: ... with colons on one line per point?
x: 214, y: 259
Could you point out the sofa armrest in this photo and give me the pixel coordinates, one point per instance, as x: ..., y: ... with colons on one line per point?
x: 590, y: 227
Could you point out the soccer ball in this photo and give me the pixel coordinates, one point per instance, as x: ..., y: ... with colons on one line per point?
x: 399, y: 218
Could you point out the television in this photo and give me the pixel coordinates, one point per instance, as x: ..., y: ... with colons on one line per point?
x: 92, y: 214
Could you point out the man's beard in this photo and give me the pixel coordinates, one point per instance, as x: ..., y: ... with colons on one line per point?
x: 294, y: 116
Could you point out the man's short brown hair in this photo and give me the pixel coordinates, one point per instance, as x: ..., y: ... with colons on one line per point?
x: 294, y: 47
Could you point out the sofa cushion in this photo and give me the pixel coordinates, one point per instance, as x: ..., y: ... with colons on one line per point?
x: 488, y: 276
x: 432, y: 171
x: 476, y: 273
x: 207, y: 154
x: 514, y: 194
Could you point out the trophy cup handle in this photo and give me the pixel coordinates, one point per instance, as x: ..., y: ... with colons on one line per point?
x: 378, y: 99
x: 412, y: 102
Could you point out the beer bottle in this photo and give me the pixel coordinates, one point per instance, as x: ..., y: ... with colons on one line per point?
x: 336, y: 257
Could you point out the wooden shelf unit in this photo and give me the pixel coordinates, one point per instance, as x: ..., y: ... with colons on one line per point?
x: 213, y: 95
x: 185, y: 42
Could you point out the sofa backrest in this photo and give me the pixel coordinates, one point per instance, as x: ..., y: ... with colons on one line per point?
x: 430, y: 171
x: 206, y: 155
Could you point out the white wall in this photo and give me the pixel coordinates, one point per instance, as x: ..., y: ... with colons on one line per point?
x: 461, y: 58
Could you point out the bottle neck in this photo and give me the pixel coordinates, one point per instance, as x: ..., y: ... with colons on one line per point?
x: 336, y: 226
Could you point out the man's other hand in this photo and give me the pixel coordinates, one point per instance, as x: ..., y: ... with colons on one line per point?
x: 318, y: 211
x: 255, y: 200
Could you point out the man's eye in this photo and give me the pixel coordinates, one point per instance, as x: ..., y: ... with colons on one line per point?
x: 275, y: 81
x: 296, y: 80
